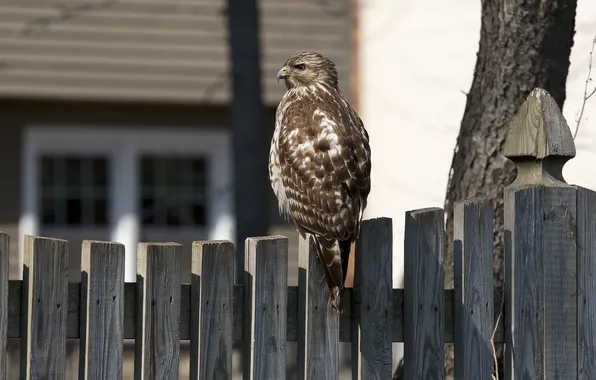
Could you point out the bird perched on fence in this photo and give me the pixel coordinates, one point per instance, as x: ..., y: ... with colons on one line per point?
x: 320, y: 162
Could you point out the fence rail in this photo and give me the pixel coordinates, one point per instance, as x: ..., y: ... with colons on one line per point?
x: 548, y: 304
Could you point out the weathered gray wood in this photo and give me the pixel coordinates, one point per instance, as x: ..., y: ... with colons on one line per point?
x: 539, y: 130
x: 265, y: 298
x: 212, y: 310
x: 540, y: 245
x: 45, y: 305
x: 586, y: 285
x: 157, y: 344
x: 130, y: 294
x: 539, y: 142
x: 4, y: 266
x: 372, y: 300
x: 424, y: 303
x: 102, y: 311
x: 543, y: 290
x: 473, y: 280
x: 318, y: 344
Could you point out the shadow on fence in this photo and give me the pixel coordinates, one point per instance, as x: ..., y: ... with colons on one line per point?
x: 548, y: 304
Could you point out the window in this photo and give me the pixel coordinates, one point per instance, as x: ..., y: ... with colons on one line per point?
x: 73, y: 190
x: 173, y: 191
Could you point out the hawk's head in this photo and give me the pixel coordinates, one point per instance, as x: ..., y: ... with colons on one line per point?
x: 305, y: 69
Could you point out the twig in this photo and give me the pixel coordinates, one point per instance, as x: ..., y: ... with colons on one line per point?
x: 495, y: 376
x: 586, y: 94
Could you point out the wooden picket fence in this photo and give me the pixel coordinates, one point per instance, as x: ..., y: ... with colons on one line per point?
x: 549, y: 301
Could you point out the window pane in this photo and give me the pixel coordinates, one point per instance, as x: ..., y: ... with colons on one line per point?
x: 169, y: 189
x: 147, y: 172
x: 199, y: 215
x: 74, y: 211
x: 73, y: 190
x: 147, y: 211
x: 100, y: 172
x: 100, y: 212
x: 48, y: 210
x: 47, y: 172
x: 73, y: 173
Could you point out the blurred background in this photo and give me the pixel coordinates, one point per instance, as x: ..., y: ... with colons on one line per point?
x: 150, y: 120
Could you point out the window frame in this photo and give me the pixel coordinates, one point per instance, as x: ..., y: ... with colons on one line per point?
x: 124, y: 146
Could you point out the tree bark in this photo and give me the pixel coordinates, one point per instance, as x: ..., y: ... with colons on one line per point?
x: 523, y: 44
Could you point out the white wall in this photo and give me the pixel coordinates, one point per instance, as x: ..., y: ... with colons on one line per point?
x: 417, y: 55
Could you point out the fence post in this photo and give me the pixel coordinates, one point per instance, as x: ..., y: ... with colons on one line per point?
x: 266, y: 307
x: 586, y: 287
x: 44, y: 304
x: 474, y: 318
x: 372, y: 301
x: 318, y: 323
x: 4, y: 254
x: 157, y: 341
x: 212, y: 298
x: 424, y: 294
x: 102, y: 310
x: 540, y: 245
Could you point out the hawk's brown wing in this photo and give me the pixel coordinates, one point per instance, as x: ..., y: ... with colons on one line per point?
x: 325, y: 164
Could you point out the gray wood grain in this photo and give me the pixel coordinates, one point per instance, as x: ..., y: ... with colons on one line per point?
x: 157, y: 344
x: 130, y: 312
x: 266, y: 268
x: 372, y: 300
x: 45, y: 303
x: 543, y: 289
x: 102, y: 311
x: 539, y: 129
x: 424, y: 303
x: 586, y: 264
x: 539, y: 142
x: 212, y: 317
x: 474, y: 311
x: 509, y: 308
x: 318, y: 345
x: 4, y: 267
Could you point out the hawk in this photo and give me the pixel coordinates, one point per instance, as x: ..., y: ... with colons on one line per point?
x: 320, y: 162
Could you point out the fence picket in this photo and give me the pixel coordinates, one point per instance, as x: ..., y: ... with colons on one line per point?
x: 372, y: 301
x: 474, y: 303
x: 266, y: 269
x: 541, y: 232
x: 102, y: 311
x: 586, y: 288
x: 45, y: 291
x: 424, y: 302
x: 4, y: 267
x: 318, y: 322
x: 212, y: 299
x: 158, y: 304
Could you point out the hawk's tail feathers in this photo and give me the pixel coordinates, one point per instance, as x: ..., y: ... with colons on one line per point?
x: 335, y: 257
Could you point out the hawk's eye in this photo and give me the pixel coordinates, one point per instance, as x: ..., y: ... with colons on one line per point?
x: 300, y: 66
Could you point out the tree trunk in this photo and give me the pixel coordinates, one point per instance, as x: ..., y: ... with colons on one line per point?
x: 523, y: 44
x: 250, y: 136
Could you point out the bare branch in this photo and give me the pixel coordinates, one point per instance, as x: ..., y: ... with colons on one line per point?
x: 495, y: 376
x: 586, y: 94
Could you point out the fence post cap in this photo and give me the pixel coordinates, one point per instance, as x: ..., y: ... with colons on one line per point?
x: 539, y: 141
x: 539, y: 130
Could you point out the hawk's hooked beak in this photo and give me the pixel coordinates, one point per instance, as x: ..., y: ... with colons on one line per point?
x: 283, y: 73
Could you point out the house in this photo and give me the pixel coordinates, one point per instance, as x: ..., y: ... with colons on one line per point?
x: 114, y: 115
x: 114, y: 118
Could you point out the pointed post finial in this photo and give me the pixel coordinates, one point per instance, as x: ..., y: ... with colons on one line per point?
x: 539, y: 141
